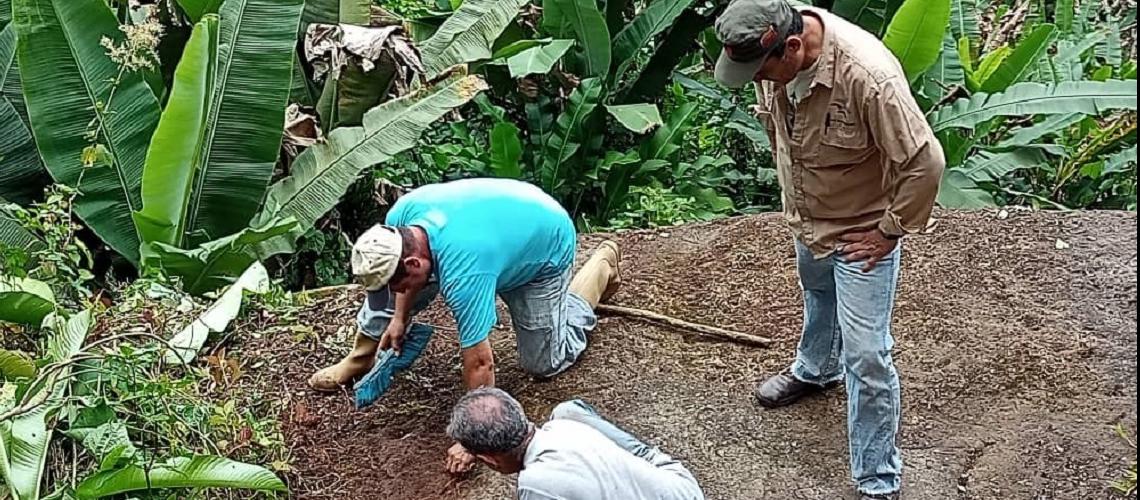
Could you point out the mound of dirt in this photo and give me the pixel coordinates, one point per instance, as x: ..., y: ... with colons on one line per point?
x: 1017, y: 354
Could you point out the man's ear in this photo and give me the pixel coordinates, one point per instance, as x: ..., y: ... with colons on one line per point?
x: 793, y: 44
x: 487, y: 459
x: 412, y: 262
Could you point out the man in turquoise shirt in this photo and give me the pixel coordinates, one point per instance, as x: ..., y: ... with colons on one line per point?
x: 473, y: 240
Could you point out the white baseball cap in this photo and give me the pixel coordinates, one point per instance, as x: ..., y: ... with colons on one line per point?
x: 376, y: 255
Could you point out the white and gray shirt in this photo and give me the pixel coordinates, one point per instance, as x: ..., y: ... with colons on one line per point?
x: 568, y: 460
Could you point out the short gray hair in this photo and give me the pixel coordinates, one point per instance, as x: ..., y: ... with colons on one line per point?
x: 488, y: 421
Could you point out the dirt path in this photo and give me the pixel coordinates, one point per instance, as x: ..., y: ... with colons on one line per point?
x: 1017, y: 360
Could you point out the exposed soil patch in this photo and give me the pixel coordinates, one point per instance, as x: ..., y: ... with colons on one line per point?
x: 1017, y: 359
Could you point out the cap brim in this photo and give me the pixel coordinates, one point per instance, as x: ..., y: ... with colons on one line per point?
x: 734, y: 74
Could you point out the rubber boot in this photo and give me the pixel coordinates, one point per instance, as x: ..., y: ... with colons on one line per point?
x: 600, y: 277
x: 357, y: 363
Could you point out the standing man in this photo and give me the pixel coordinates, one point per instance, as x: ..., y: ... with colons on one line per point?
x: 859, y: 168
x: 472, y: 240
x: 577, y: 455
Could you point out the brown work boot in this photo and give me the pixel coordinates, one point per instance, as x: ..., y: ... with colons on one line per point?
x: 785, y: 389
x: 356, y: 364
x: 600, y: 277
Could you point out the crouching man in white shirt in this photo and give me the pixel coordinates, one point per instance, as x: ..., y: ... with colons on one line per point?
x: 577, y: 455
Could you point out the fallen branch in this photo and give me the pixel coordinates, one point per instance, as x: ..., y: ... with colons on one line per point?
x: 712, y: 331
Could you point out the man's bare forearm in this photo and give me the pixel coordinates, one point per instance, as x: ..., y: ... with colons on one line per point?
x: 478, y: 366
x: 404, y: 302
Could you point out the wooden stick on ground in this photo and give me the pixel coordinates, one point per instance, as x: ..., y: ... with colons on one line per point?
x: 712, y: 331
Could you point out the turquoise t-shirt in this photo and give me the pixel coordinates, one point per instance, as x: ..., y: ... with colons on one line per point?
x: 487, y: 236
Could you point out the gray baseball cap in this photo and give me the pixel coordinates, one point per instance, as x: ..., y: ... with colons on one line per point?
x: 750, y: 31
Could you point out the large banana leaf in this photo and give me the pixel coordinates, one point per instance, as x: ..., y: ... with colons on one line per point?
x: 468, y: 34
x: 1065, y: 15
x: 218, y: 316
x: 506, y: 150
x: 14, y: 235
x: 1053, y: 125
x: 1090, y: 98
x: 566, y: 138
x: 22, y: 176
x: 676, y: 45
x: 179, y: 141
x: 539, y: 59
x: 1019, y: 62
x: 24, y: 300
x: 916, y: 32
x: 1120, y: 162
x: 666, y: 141
x: 322, y: 173
x: 964, y: 19
x: 24, y: 439
x: 197, y: 9
x: 637, y: 118
x: 337, y: 12
x: 946, y: 73
x: 987, y: 166
x: 66, y: 77
x: 246, y: 115
x: 181, y: 472
x: 1112, y: 50
x: 653, y: 20
x: 959, y: 191
x: 589, y: 26
x: 216, y: 263
x: 868, y: 14
x: 988, y: 64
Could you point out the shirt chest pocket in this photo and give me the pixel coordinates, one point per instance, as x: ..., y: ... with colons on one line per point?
x: 844, y: 140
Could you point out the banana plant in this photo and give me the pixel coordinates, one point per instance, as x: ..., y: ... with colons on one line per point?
x: 35, y: 401
x: 185, y: 189
x: 22, y: 176
x: 970, y: 166
x: 25, y: 300
x: 82, y: 106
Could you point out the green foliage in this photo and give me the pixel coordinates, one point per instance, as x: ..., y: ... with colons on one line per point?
x: 44, y: 234
x: 1086, y: 97
x: 91, y: 117
x: 180, y: 472
x: 1126, y: 484
x: 539, y: 59
x: 583, y: 18
x: 323, y: 172
x: 25, y: 300
x: 468, y: 34
x: 915, y: 34
x: 637, y: 118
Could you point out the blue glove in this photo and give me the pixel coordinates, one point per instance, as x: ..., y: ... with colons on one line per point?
x: 373, y: 385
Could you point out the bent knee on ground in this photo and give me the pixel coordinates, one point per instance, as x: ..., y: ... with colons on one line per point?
x: 539, y: 369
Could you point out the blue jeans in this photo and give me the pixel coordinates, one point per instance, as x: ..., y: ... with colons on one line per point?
x: 675, y: 473
x: 550, y: 322
x: 847, y: 335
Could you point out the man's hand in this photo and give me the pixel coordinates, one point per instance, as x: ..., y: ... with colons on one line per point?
x: 393, y: 337
x: 869, y: 246
x: 459, y: 461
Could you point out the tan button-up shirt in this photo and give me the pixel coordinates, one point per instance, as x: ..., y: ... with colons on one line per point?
x: 857, y: 152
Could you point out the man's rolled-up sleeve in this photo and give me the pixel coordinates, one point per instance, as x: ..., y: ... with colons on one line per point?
x: 913, y: 158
